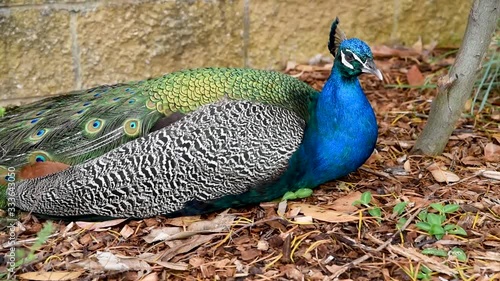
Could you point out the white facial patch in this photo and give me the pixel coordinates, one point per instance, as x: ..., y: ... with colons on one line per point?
x: 344, y: 61
x: 358, y: 59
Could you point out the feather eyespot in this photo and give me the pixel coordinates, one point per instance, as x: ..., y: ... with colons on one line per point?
x: 87, y: 103
x: 7, y: 175
x: 34, y: 120
x: 94, y: 125
x: 80, y: 112
x: 38, y: 156
x: 40, y: 112
x: 116, y: 99
x: 132, y: 127
x: 131, y: 101
x: 38, y: 134
x: 97, y: 95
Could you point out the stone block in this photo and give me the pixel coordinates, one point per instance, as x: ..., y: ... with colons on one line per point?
x: 35, y: 53
x: 434, y: 20
x: 298, y: 30
x: 121, y: 42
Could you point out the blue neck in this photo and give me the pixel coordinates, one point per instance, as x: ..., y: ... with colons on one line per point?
x: 340, y: 135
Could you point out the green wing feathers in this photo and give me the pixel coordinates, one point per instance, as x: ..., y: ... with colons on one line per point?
x: 83, y: 125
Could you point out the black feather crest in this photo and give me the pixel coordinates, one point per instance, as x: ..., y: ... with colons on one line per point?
x: 336, y: 37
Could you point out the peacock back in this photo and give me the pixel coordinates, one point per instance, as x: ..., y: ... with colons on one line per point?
x: 83, y: 125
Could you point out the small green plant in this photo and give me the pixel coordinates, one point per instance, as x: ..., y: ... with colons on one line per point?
x: 459, y: 254
x: 488, y: 80
x: 435, y: 252
x: 424, y: 273
x: 433, y: 223
x: 299, y: 194
x: 456, y: 252
x: 23, y: 257
x: 399, y: 210
x: 2, y: 111
x: 365, y: 200
x: 42, y: 236
x: 421, y: 272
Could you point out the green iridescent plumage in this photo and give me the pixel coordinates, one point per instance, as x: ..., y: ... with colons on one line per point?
x: 82, y: 125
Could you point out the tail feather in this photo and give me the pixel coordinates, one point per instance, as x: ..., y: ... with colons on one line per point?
x: 83, y: 125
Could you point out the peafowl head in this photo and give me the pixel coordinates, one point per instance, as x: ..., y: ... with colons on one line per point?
x: 353, y: 56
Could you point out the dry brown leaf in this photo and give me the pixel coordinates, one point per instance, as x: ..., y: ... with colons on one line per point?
x: 323, y: 214
x: 336, y: 270
x: 386, y: 51
x: 162, y: 234
x: 407, y: 166
x: 188, y: 245
x: 262, y: 245
x: 491, y: 175
x: 441, y: 175
x: 282, y: 207
x: 471, y: 161
x: 126, y: 231
x: 196, y: 261
x: 291, y: 272
x: 180, y: 266
x: 151, y: 277
x: 182, y: 221
x: 303, y: 219
x: 292, y: 213
x: 415, y: 77
x: 51, y: 276
x: 99, y: 226
x: 112, y: 262
x: 345, y: 203
x: 492, y: 152
x: 88, y: 265
x: 220, y: 223
x: 305, y: 67
x: 249, y: 254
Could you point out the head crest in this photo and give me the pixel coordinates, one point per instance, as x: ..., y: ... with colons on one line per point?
x: 336, y: 37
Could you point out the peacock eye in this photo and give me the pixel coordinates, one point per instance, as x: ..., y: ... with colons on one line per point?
x: 349, y: 57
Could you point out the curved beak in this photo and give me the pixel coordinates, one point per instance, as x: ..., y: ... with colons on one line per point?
x: 370, y: 67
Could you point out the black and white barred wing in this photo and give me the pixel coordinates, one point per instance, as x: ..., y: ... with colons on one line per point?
x: 221, y: 149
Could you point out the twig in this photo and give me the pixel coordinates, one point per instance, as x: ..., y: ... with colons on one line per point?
x: 361, y: 259
x: 378, y: 173
x: 255, y: 223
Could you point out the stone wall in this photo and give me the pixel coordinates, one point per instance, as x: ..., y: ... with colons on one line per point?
x: 53, y: 46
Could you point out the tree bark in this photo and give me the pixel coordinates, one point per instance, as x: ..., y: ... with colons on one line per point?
x: 456, y: 87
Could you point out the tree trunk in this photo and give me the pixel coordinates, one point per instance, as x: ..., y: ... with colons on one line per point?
x: 456, y: 87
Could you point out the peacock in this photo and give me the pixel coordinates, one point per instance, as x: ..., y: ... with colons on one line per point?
x: 193, y: 141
